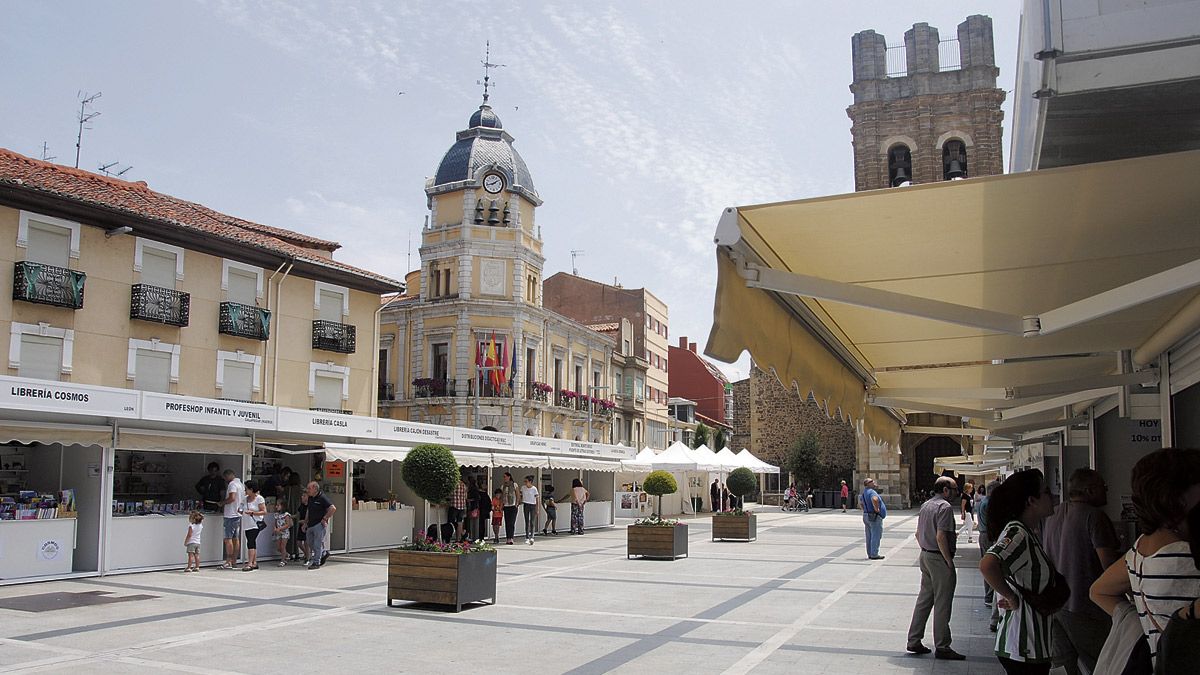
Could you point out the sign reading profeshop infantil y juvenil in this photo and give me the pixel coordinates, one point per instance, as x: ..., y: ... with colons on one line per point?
x: 21, y: 393
x: 328, y: 424
x: 169, y: 408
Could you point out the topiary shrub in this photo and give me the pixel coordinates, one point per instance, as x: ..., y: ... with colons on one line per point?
x: 431, y: 471
x: 659, y: 483
x: 741, y: 482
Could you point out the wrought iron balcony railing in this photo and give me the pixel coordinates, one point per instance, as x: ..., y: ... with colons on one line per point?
x: 433, y: 387
x: 48, y: 285
x: 387, y: 391
x: 486, y: 387
x: 333, y: 336
x: 245, y: 321
x: 160, y: 305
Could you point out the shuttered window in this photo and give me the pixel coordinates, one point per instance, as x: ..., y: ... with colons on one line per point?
x: 153, y: 369
x: 41, y: 357
x: 243, y: 286
x: 328, y: 392
x: 239, y: 381
x: 48, y: 244
x: 331, y: 306
x: 158, y: 268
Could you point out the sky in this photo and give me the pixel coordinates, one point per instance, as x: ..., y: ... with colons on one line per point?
x: 640, y: 121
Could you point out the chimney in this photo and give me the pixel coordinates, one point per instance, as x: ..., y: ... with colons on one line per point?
x: 683, y: 342
x: 692, y: 347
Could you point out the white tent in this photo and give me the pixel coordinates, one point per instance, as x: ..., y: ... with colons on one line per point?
x: 644, y: 461
x: 729, y: 461
x: 755, y: 464
x: 678, y: 457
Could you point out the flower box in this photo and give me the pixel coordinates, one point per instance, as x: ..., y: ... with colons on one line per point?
x: 728, y: 526
x: 441, y: 578
x: 657, y: 541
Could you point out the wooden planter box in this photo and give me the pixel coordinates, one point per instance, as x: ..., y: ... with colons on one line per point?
x: 657, y: 542
x: 744, y: 528
x: 441, y: 578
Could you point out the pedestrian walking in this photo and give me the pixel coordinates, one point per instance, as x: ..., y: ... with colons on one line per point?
x: 456, y: 509
x: 967, y: 509
x: 935, y: 536
x: 874, y: 511
x: 1081, y: 542
x: 281, y: 530
x: 1017, y: 567
x: 510, y: 496
x: 551, y: 510
x: 497, y: 515
x: 724, y: 497
x: 529, y: 504
x: 235, y: 496
x: 254, y: 514
x: 191, y: 541
x: 714, y: 495
x: 320, y: 511
x: 579, y: 497
x: 845, y: 495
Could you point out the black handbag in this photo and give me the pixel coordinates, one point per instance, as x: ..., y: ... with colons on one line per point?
x: 1051, y: 599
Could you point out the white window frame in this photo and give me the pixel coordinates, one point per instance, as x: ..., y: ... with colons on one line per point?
x: 45, y: 330
x: 328, y: 368
x: 143, y: 244
x: 240, y: 357
x: 332, y: 288
x: 23, y: 229
x: 152, y: 345
x: 227, y: 265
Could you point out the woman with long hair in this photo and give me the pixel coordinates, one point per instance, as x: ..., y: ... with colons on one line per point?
x: 1017, y: 567
x: 579, y: 497
x: 1158, y: 572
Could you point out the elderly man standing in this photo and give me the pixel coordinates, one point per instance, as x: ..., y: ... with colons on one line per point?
x: 320, y: 510
x: 874, y: 511
x: 1081, y: 542
x: 936, y: 536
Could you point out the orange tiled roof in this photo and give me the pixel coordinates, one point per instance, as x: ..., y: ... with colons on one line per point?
x: 85, y: 187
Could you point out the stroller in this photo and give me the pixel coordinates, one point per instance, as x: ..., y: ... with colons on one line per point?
x: 794, y: 502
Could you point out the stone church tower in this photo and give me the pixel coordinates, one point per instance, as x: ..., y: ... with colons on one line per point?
x: 927, y: 111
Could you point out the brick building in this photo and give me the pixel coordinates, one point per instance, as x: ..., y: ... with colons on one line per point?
x: 695, y: 379
x: 928, y: 110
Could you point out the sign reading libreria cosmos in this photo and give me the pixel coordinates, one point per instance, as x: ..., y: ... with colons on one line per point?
x: 18, y: 393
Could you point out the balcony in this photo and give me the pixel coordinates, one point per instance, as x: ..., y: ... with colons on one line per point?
x: 538, y: 391
x: 245, y: 321
x: 159, y: 305
x: 488, y: 388
x: 433, y: 387
x: 332, y: 336
x: 48, y: 285
x: 387, y: 391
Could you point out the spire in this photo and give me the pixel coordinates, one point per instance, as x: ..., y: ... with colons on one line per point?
x: 487, y: 67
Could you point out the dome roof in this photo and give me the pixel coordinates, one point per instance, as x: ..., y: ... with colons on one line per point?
x: 483, y: 144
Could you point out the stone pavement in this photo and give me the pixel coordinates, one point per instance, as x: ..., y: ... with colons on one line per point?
x: 801, y: 599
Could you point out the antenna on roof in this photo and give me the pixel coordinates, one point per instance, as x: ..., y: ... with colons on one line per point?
x: 84, y: 118
x: 104, y: 169
x: 46, y: 156
x: 487, y: 66
x: 575, y: 253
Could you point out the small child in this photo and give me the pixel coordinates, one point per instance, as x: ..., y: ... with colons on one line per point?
x: 281, y: 530
x: 497, y: 515
x: 191, y: 541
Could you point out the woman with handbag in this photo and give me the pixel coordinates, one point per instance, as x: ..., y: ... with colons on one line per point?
x: 1158, y: 572
x: 1029, y: 588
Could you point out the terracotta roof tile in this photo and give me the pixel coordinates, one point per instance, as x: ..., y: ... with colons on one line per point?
x: 136, y: 198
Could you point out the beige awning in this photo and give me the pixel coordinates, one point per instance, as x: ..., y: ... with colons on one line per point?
x: 160, y: 441
x: 994, y: 297
x: 47, y: 433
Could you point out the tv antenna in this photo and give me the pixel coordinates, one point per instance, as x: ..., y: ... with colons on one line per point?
x: 46, y: 156
x: 84, y: 118
x: 487, y: 67
x: 575, y: 253
x: 104, y: 169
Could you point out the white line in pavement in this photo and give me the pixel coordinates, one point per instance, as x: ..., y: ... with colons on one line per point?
x: 773, y: 643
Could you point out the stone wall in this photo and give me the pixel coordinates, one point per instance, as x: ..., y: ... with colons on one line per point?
x: 740, y: 437
x: 777, y: 417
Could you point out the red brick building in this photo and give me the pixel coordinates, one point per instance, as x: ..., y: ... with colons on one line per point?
x: 695, y: 379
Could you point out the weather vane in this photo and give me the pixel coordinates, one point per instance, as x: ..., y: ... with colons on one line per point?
x: 487, y: 66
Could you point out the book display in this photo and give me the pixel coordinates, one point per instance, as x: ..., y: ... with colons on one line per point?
x: 144, y: 483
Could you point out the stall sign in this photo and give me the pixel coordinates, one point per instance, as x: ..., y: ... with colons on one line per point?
x: 50, y: 550
x: 488, y: 440
x: 335, y: 469
x: 585, y: 449
x: 189, y: 409
x: 539, y: 444
x: 21, y: 393
x: 414, y: 432
x: 326, y: 424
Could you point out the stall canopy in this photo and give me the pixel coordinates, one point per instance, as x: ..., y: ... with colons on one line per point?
x: 728, y: 460
x: 969, y: 466
x: 994, y: 298
x: 66, y: 434
x: 643, y: 462
x: 677, y: 457
x: 755, y: 464
x: 584, y: 464
x: 364, y: 453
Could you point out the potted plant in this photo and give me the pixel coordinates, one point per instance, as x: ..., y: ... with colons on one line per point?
x: 655, y: 537
x: 737, y: 523
x: 426, y: 570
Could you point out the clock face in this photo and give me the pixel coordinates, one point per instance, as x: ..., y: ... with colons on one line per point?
x: 493, y: 183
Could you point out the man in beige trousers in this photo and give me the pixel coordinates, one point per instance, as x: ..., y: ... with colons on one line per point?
x: 936, y: 536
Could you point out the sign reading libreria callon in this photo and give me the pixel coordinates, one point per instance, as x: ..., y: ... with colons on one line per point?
x: 328, y: 424
x: 169, y: 408
x: 18, y: 393
x: 414, y: 432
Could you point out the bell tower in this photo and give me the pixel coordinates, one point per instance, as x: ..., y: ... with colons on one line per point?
x: 927, y: 110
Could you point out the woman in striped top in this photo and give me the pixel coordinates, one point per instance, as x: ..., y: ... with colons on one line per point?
x: 1158, y: 571
x: 1017, y: 561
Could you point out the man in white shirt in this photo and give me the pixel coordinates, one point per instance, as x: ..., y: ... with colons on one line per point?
x: 235, y: 498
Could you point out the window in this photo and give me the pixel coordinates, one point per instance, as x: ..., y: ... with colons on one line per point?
x: 899, y: 166
x: 328, y: 385
x: 579, y: 383
x: 440, y: 366
x: 159, y: 264
x: 664, y: 364
x: 238, y: 375
x: 954, y: 160
x: 242, y: 283
x: 332, y: 303
x: 152, y: 365
x: 648, y: 321
x: 40, y: 351
x: 558, y: 374
x: 627, y: 348
x: 52, y: 241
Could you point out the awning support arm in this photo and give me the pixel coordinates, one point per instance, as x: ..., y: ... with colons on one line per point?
x: 1056, y: 402
x: 1149, y: 376
x: 1131, y: 294
x: 921, y: 406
